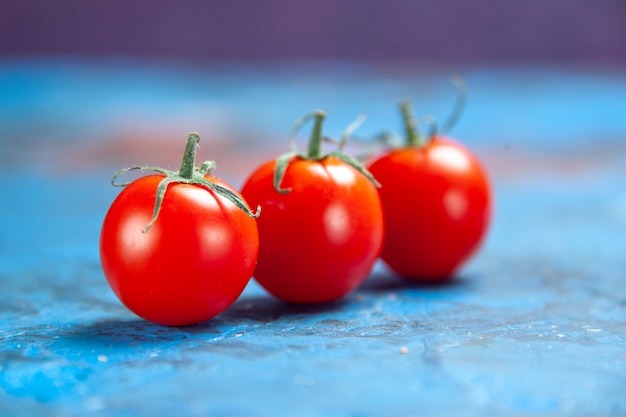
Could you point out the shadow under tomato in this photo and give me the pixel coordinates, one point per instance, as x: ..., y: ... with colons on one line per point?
x: 131, y: 332
x: 136, y: 331
x: 266, y: 309
x: 388, y: 281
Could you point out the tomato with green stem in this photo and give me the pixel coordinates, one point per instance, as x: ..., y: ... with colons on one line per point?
x: 436, y: 201
x: 321, y: 229
x: 178, y: 248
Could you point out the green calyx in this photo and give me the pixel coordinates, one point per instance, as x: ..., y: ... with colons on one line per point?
x: 188, y: 174
x: 314, y: 152
x: 413, y: 136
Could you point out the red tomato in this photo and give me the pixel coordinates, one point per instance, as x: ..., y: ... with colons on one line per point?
x: 319, y: 240
x: 437, y: 206
x: 193, y: 262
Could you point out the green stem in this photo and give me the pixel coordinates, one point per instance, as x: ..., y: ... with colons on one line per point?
x: 188, y: 164
x: 315, y: 143
x: 413, y: 138
x: 459, y: 104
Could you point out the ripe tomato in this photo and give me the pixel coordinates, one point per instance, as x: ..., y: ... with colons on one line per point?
x: 193, y: 259
x: 437, y: 206
x: 321, y: 229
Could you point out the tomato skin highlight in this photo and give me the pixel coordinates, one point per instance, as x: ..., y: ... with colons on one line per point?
x: 319, y: 241
x: 437, y: 207
x: 191, y: 265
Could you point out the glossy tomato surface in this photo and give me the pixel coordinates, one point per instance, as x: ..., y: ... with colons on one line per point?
x: 437, y: 207
x: 191, y: 265
x: 319, y: 241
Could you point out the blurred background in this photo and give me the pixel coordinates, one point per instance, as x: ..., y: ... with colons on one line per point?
x: 107, y: 79
x: 373, y: 31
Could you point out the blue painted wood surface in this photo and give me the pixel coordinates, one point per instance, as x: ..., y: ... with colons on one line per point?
x: 534, y: 325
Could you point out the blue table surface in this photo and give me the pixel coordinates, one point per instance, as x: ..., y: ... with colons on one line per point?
x: 535, y: 324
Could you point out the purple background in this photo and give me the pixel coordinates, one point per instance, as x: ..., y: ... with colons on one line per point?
x: 581, y: 32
